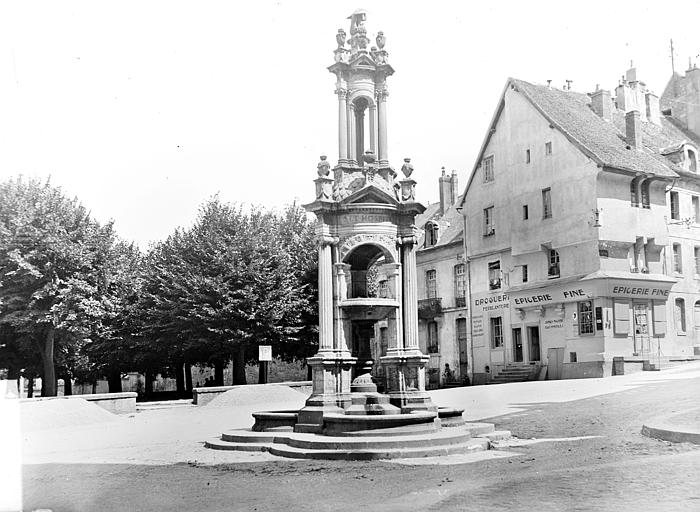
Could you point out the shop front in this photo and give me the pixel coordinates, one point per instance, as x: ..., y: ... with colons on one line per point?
x: 575, y: 327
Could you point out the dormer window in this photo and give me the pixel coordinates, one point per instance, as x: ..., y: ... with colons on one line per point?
x: 692, y: 160
x: 431, y: 234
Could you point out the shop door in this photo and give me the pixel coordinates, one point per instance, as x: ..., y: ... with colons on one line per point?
x: 555, y: 363
x: 533, y: 335
x: 641, y: 329
x: 517, y: 345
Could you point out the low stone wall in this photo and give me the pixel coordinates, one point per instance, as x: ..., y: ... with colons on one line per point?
x: 584, y: 370
x: 117, y: 403
x: 202, y: 396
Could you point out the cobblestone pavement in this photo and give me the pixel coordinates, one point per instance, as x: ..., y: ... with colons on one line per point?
x: 620, y: 470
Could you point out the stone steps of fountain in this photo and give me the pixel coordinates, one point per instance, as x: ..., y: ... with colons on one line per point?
x: 361, y: 445
x: 472, y: 445
x: 355, y: 449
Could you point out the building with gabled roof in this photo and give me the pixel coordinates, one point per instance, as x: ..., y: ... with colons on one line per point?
x: 572, y: 217
x: 442, y: 282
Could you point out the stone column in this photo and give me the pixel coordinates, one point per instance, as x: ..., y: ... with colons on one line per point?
x: 352, y: 143
x: 342, y: 125
x: 341, y: 293
x: 383, y: 156
x: 394, y: 321
x: 325, y: 295
x: 410, y: 295
x: 373, y: 129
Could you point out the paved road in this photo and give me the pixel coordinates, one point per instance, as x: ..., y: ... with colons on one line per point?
x: 619, y: 470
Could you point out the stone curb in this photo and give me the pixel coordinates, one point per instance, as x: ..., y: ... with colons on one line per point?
x: 666, y: 430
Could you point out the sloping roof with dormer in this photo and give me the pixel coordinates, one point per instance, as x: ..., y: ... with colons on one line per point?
x: 450, y: 224
x: 602, y: 141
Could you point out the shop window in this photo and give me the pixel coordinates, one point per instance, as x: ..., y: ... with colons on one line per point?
x: 621, y: 317
x: 585, y: 317
x: 679, y: 315
x: 433, y: 345
x: 677, y: 259
x: 496, y: 332
x: 553, y: 266
x: 659, y: 318
x: 675, y: 207
x: 494, y: 275
x: 488, y: 169
x: 524, y: 267
x: 489, y: 222
x: 547, y: 203
x: 460, y: 285
x: 431, y: 283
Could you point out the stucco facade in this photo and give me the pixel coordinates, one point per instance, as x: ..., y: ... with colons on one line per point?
x: 569, y: 239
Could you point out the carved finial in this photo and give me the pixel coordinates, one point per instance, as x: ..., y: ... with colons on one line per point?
x: 340, y: 38
x: 358, y: 32
x: 323, y: 167
x: 407, y: 167
x: 381, y: 40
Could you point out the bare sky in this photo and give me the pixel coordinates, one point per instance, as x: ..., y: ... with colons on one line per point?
x: 143, y: 109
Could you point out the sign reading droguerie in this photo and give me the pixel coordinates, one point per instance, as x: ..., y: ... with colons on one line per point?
x: 492, y: 302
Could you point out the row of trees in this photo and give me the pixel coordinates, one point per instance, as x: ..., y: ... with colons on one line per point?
x: 76, y: 302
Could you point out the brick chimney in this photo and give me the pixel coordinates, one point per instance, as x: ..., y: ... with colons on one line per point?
x: 633, y: 129
x: 601, y: 103
x: 446, y: 194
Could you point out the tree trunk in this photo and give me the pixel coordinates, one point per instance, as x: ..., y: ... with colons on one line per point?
x: 114, y: 381
x: 239, y: 366
x: 48, y: 379
x: 149, y: 383
x: 67, y: 385
x: 94, y: 387
x: 30, y: 387
x: 179, y: 380
x: 219, y: 374
x: 188, y: 376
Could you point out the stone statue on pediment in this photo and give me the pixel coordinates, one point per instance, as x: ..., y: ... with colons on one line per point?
x: 407, y: 167
x: 323, y: 167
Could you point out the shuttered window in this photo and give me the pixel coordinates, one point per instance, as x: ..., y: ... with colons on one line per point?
x: 659, y: 316
x: 621, y: 316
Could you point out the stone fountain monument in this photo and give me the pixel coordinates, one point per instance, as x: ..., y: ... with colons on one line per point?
x: 368, y: 376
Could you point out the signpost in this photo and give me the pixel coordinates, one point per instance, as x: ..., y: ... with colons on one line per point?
x: 264, y: 357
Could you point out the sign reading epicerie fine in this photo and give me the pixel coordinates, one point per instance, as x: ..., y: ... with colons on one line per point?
x: 639, y: 291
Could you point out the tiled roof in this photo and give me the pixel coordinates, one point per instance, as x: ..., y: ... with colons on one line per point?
x: 603, y: 141
x: 450, y: 224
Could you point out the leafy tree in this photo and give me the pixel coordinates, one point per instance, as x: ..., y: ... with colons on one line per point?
x: 52, y: 263
x: 234, y: 280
